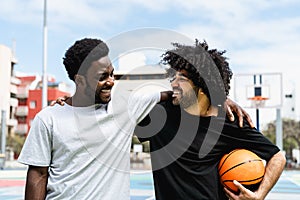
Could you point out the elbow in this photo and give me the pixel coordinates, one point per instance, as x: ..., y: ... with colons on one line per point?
x: 284, y: 160
x: 281, y: 158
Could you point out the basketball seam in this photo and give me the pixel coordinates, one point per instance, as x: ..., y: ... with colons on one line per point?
x: 254, y: 160
x: 227, y: 158
x: 244, y: 180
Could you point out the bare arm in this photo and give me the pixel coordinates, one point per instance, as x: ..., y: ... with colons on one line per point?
x: 274, y: 169
x: 60, y: 100
x: 36, y: 183
x: 165, y: 95
x: 231, y: 106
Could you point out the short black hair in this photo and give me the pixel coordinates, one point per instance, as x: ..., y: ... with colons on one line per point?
x: 201, y: 62
x: 82, y: 53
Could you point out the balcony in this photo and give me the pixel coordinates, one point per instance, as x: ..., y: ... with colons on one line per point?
x: 22, y: 111
x: 13, y: 102
x: 21, y: 129
x: 22, y: 92
x: 12, y: 122
x: 13, y: 89
x: 15, y: 81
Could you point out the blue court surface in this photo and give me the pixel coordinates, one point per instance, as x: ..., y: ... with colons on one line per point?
x: 287, y: 187
x: 12, y: 185
x: 141, y: 186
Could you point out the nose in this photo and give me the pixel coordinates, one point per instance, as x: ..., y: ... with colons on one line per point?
x: 110, y: 81
x: 174, y: 84
x: 174, y: 81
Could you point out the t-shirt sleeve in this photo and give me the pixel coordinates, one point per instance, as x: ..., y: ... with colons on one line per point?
x: 141, y: 103
x: 37, y: 147
x: 251, y: 139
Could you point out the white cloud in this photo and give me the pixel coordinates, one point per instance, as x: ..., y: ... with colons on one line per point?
x: 131, y: 61
x: 27, y: 12
x: 100, y: 14
x: 64, y: 13
x: 154, y: 5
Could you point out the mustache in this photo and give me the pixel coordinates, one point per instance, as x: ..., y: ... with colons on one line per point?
x: 177, y: 89
x: 103, y: 88
x: 106, y: 88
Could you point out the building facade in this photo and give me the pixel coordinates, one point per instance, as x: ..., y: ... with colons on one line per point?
x: 8, y: 100
x: 29, y: 94
x: 20, y: 101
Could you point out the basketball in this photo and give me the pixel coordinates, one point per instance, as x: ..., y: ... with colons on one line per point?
x: 243, y: 166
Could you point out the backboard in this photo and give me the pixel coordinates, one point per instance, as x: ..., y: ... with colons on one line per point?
x: 261, y: 90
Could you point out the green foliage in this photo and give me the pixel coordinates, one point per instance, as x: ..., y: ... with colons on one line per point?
x: 146, y: 145
x: 135, y: 140
x: 16, y: 143
x: 291, y: 134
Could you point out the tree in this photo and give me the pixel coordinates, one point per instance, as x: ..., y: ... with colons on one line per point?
x: 15, y: 143
x: 291, y: 134
x: 146, y: 145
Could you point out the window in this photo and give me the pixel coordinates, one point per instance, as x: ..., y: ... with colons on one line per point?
x: 32, y: 104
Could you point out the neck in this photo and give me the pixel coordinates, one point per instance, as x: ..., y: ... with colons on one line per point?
x: 80, y: 100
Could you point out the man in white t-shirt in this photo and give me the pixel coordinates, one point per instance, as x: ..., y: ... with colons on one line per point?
x: 81, y: 150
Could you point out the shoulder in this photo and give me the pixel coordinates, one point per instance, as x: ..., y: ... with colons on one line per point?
x: 52, y: 111
x: 235, y: 123
x: 232, y: 128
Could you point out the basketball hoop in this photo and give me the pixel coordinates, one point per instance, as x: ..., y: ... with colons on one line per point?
x: 258, y: 101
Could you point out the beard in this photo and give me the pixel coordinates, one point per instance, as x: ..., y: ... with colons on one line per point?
x: 185, y: 99
x: 96, y: 95
x: 101, y: 97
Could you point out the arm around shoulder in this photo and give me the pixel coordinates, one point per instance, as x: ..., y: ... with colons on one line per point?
x: 165, y: 95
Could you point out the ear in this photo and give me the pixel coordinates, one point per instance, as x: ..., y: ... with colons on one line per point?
x: 201, y: 91
x: 198, y: 91
x: 80, y: 80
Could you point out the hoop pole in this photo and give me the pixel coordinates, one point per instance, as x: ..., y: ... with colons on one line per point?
x: 257, y: 119
x: 279, y: 129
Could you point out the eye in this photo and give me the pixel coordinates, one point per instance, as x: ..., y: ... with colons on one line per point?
x: 112, y: 74
x: 171, y: 79
x: 103, y: 76
x: 179, y: 78
x: 182, y: 79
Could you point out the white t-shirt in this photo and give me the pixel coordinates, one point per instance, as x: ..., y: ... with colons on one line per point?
x: 87, y: 149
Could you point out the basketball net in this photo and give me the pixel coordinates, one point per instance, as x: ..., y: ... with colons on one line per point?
x: 258, y: 101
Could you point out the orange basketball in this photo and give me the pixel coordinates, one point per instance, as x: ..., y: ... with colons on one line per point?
x: 243, y: 166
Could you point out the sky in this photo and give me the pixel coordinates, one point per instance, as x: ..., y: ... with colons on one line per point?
x: 259, y: 36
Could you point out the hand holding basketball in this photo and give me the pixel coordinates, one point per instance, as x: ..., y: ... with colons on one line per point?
x: 243, y: 166
x: 243, y: 194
